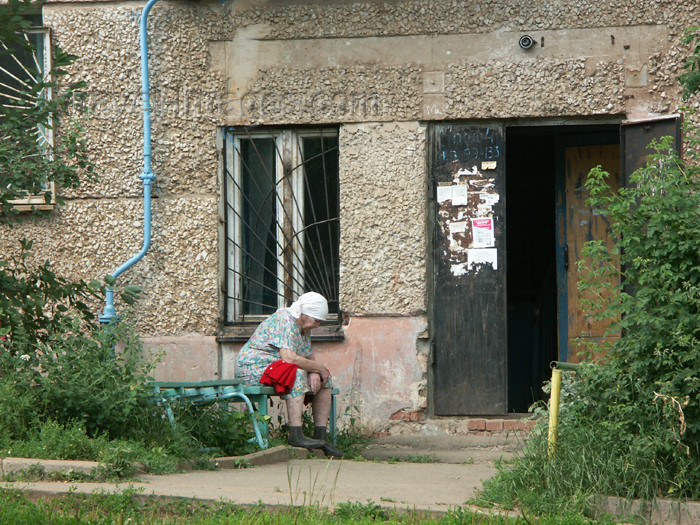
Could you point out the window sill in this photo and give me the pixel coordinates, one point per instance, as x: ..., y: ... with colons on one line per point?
x: 25, y: 206
x: 37, y: 202
x: 241, y: 333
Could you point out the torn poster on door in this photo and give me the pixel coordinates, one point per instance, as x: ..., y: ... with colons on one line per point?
x: 482, y: 233
x: 482, y: 256
x: 457, y: 193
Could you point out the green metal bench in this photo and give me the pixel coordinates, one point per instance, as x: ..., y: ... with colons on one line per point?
x: 224, y: 391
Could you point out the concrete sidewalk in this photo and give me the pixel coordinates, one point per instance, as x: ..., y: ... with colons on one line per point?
x: 281, y: 477
x: 456, y: 470
x: 424, y: 486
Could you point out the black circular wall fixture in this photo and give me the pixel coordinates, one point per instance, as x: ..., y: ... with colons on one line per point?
x: 526, y: 42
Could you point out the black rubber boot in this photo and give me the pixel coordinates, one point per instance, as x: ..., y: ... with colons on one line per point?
x: 321, y: 434
x: 298, y: 439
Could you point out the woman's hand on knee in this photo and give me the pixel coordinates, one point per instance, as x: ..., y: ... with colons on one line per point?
x: 325, y: 376
x: 315, y: 382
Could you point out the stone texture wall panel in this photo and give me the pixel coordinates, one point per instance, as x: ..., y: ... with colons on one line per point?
x: 331, y: 95
x: 547, y: 88
x: 382, y: 216
x: 184, y: 94
x: 90, y: 239
x: 333, y: 20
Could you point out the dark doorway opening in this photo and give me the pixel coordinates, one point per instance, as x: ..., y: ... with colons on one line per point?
x: 531, y: 262
x: 535, y: 238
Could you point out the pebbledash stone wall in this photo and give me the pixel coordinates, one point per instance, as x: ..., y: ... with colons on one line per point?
x: 381, y: 71
x: 383, y: 208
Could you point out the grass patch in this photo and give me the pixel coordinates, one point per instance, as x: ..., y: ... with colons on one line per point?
x: 130, y: 506
x: 118, y: 458
x: 589, y: 461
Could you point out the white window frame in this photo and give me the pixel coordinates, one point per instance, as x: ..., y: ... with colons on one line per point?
x: 290, y: 145
x: 39, y: 201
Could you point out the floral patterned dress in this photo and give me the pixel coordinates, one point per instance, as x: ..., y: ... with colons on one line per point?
x: 280, y: 330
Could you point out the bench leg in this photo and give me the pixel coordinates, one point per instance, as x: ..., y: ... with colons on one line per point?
x: 260, y: 434
x: 260, y: 401
x: 331, y: 420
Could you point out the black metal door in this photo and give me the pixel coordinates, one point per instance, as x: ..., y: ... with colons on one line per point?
x: 636, y: 135
x: 469, y: 289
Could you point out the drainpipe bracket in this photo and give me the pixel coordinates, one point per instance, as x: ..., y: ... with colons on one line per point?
x: 107, y: 319
x: 147, y: 176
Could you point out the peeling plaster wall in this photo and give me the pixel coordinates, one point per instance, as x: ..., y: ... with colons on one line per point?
x: 380, y: 70
x: 380, y: 368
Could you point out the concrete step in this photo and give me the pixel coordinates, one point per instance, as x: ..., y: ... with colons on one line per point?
x: 444, y: 448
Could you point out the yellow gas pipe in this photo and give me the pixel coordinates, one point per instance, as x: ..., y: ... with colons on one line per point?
x: 554, y: 412
x: 557, y: 367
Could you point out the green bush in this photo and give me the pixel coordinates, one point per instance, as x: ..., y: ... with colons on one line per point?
x: 99, y: 379
x: 57, y: 441
x: 78, y: 374
x: 650, y: 380
x: 629, y: 423
x: 593, y: 457
x: 17, y: 408
x: 60, y: 374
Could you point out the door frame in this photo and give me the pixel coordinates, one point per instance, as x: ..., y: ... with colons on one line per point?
x: 583, y: 132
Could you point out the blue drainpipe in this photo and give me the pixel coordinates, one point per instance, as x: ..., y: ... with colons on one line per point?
x: 147, y: 176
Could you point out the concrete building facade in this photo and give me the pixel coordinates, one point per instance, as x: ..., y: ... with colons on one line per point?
x: 546, y: 85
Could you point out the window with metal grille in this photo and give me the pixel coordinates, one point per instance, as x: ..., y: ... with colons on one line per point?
x: 282, y: 219
x: 23, y: 65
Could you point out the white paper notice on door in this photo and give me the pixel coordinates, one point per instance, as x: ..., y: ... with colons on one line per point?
x: 444, y: 193
x: 460, y: 196
x: 456, y: 193
x: 482, y: 233
x: 482, y: 256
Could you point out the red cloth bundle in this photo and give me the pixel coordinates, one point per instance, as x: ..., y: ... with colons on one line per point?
x: 280, y: 375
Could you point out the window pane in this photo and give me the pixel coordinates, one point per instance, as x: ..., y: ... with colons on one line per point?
x: 259, y: 226
x: 321, y: 213
x: 21, y: 67
x: 282, y: 228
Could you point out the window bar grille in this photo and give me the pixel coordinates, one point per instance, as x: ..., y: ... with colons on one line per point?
x: 301, y: 267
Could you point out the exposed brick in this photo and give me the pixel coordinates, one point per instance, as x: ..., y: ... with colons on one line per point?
x: 528, y: 424
x: 407, y: 415
x: 494, y: 425
x: 477, y: 424
x: 416, y: 415
x: 512, y: 424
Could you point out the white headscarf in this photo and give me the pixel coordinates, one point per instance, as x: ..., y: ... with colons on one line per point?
x: 312, y: 304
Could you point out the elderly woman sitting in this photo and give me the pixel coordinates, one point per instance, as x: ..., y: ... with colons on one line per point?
x: 280, y: 351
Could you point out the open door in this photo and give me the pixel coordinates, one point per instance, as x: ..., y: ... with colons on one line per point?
x: 579, y: 223
x: 636, y: 135
x: 469, y: 295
